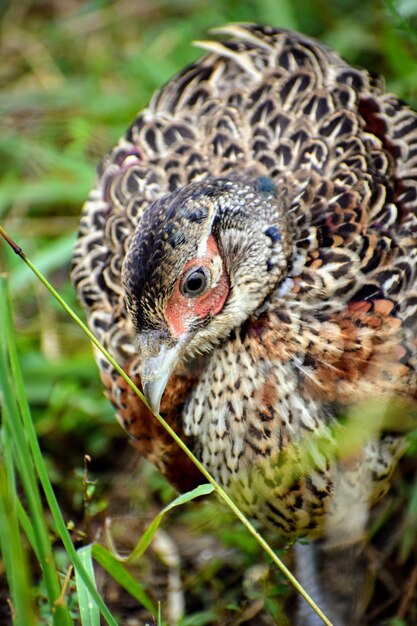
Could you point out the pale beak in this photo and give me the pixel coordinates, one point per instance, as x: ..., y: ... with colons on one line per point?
x: 159, y: 356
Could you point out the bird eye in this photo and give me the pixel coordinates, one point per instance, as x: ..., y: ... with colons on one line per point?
x: 195, y: 282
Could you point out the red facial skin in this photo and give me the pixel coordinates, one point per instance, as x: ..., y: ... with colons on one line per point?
x: 180, y: 307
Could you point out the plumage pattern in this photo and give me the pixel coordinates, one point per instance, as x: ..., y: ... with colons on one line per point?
x: 299, y: 173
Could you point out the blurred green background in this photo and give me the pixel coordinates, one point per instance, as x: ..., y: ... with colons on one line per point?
x: 72, y: 76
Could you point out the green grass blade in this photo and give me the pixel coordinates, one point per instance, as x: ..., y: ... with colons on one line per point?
x: 24, y: 520
x: 11, y: 545
x: 148, y: 535
x: 27, y: 433
x: 111, y: 564
x: 14, y: 555
x: 89, y: 613
x: 26, y: 526
x: 111, y: 561
x: 12, y: 388
x: 49, y: 258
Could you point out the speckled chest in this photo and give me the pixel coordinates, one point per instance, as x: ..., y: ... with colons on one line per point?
x: 274, y: 449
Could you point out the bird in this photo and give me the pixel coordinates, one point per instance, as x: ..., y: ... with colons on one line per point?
x: 248, y: 256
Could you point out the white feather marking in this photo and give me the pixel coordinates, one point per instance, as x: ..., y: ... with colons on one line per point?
x: 238, y: 30
x: 239, y: 58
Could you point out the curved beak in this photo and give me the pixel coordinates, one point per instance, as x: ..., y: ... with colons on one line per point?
x: 159, y: 356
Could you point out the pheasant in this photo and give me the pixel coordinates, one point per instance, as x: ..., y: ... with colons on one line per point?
x: 248, y: 255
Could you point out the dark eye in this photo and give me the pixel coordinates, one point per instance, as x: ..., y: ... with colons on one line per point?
x: 195, y: 282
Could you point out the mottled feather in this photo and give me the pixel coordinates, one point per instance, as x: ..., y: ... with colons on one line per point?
x: 336, y: 329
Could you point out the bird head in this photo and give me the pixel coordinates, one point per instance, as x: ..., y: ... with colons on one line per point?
x: 202, y: 260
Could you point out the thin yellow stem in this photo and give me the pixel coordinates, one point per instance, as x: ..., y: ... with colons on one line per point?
x: 221, y: 492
